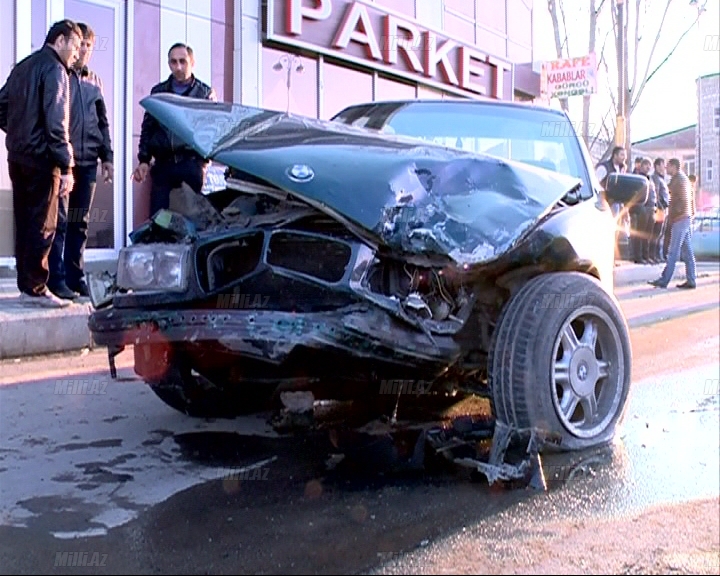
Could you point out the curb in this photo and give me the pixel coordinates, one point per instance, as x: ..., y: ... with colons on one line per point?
x: 27, y: 332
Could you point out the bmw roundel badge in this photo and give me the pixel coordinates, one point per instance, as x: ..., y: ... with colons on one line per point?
x: 301, y: 173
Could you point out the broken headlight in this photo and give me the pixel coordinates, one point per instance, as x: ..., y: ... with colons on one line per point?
x: 153, y: 267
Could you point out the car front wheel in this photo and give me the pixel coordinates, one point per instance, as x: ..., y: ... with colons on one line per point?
x: 560, y: 360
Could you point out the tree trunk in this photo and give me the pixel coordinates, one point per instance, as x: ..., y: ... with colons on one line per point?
x: 628, y: 88
x: 587, y: 99
x: 552, y: 8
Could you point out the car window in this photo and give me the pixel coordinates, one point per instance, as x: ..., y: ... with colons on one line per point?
x: 707, y: 224
x: 537, y: 137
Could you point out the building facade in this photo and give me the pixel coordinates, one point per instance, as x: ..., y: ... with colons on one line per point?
x: 678, y: 144
x: 308, y: 57
x: 708, y: 139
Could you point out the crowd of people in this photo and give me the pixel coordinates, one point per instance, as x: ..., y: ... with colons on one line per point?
x: 53, y: 113
x: 661, y: 227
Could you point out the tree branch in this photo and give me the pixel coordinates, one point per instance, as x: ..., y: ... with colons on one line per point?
x: 564, y: 22
x: 603, y: 130
x: 612, y: 94
x: 647, y: 68
x: 664, y: 60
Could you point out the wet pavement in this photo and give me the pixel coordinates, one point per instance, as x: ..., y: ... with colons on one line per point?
x: 668, y: 452
x: 115, y: 471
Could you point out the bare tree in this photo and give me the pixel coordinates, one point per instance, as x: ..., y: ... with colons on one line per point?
x: 594, y: 12
x: 562, y: 48
x: 642, y: 72
x: 642, y: 69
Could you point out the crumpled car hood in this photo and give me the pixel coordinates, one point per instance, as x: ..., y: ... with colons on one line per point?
x: 414, y: 197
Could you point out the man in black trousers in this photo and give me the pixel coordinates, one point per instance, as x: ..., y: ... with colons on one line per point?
x: 35, y: 115
x: 90, y: 138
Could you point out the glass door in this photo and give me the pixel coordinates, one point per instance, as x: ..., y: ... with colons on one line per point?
x: 107, y: 213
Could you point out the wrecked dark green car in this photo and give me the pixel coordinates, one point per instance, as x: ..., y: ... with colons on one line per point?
x: 465, y: 245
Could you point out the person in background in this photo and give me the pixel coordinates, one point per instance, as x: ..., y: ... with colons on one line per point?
x: 616, y: 163
x: 646, y: 216
x: 681, y: 213
x: 90, y: 137
x: 35, y: 115
x: 638, y: 222
x: 174, y: 163
x: 657, y: 249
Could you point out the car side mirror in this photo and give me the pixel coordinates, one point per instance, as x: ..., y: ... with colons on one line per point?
x: 628, y: 189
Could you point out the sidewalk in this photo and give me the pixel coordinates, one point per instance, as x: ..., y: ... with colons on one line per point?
x: 26, y: 331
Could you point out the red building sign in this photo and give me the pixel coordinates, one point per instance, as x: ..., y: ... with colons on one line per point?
x: 370, y: 35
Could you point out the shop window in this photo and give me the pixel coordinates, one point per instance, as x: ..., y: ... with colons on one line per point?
x: 690, y: 166
x: 342, y: 87
x: 289, y: 83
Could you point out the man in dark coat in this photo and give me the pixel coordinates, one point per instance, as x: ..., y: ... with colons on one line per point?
x: 174, y: 163
x: 35, y: 115
x: 90, y: 137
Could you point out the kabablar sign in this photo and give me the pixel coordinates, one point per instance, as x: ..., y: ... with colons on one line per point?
x: 569, y: 77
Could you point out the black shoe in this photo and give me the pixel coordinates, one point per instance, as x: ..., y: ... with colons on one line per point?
x: 657, y: 283
x: 687, y: 286
x: 81, y: 289
x: 62, y: 291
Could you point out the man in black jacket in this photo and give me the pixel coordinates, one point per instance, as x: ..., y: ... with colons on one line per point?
x: 174, y: 162
x: 658, y: 247
x: 645, y: 219
x: 90, y: 137
x: 34, y: 113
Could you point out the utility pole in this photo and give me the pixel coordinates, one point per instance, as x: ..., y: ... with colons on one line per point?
x: 621, y: 43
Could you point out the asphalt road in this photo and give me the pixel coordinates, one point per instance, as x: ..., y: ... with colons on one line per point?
x: 128, y: 485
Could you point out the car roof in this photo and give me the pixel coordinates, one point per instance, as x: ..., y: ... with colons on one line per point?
x: 474, y: 102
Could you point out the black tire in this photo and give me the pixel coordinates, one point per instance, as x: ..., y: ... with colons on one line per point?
x: 532, y: 348
x: 195, y: 395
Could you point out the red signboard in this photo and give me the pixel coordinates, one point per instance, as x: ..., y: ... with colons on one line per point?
x: 370, y: 35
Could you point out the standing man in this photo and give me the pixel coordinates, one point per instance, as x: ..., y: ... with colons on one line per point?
x: 681, y: 213
x: 35, y: 115
x: 174, y: 163
x: 90, y: 138
x: 645, y: 214
x: 658, y: 253
x: 616, y: 163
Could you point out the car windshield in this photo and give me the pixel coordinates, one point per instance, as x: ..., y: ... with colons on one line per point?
x: 538, y: 137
